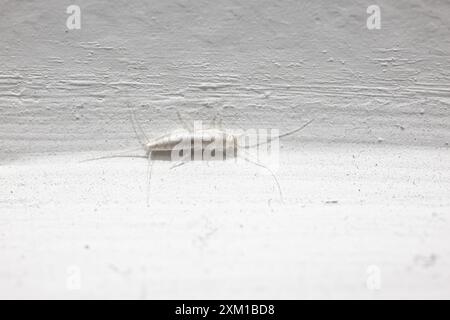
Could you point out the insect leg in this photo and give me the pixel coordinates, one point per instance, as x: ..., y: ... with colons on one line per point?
x: 186, y: 125
x: 178, y: 164
x: 181, y: 162
x: 149, y: 176
x: 255, y: 162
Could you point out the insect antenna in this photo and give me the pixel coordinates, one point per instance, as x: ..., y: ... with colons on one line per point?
x: 269, y: 139
x: 143, y: 139
x: 134, y: 123
x: 115, y: 156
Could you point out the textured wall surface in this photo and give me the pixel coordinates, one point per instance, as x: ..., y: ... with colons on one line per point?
x: 254, y: 63
x: 367, y: 184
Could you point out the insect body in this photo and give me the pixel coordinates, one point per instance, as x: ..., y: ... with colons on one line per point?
x: 207, y: 144
x: 196, y: 144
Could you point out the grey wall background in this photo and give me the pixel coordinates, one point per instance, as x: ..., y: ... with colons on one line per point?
x: 254, y: 63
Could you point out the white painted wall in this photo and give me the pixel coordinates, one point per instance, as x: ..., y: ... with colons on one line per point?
x: 366, y: 184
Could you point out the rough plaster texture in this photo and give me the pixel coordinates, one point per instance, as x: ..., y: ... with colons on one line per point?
x: 367, y: 184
